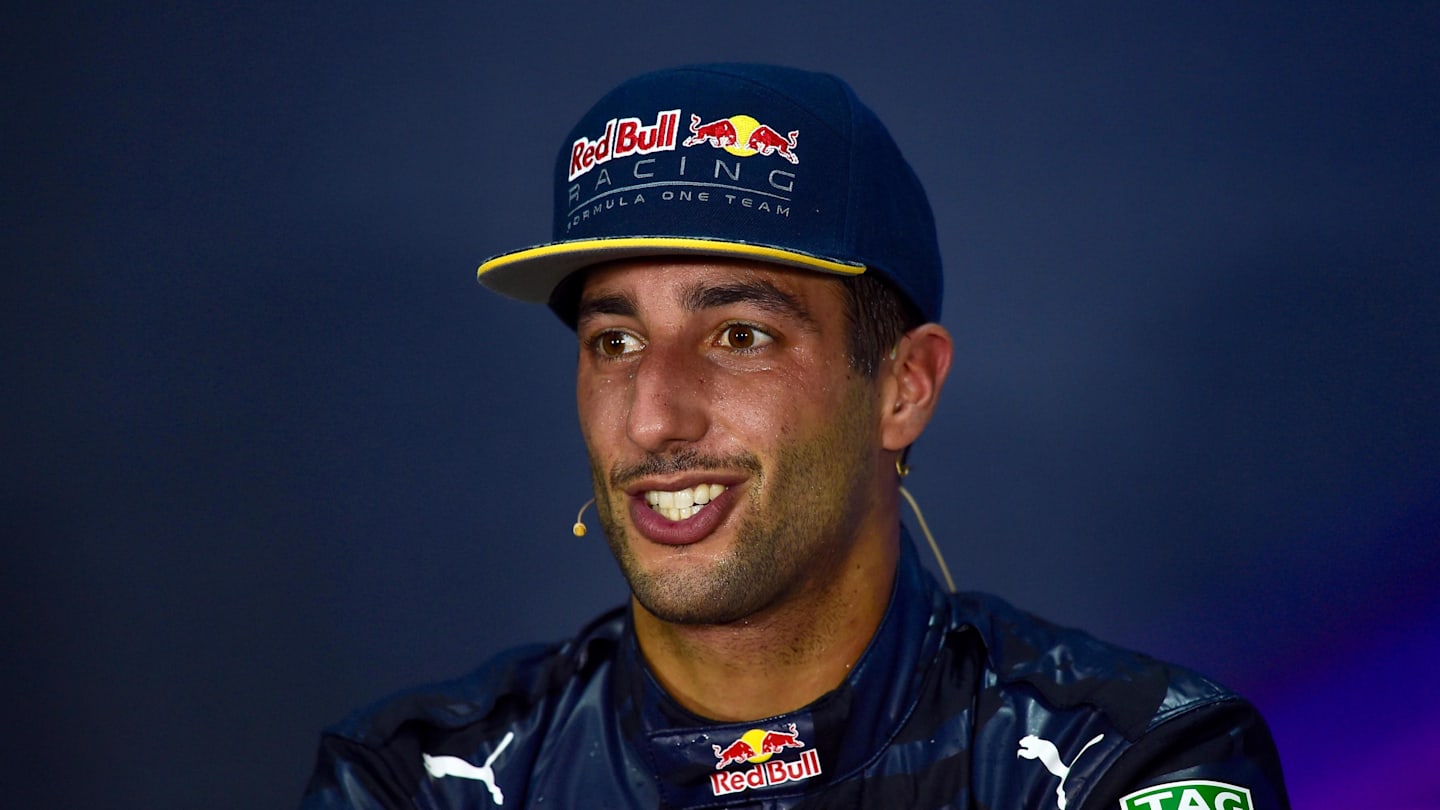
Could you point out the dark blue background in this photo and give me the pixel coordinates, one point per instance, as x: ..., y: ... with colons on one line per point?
x: 270, y: 452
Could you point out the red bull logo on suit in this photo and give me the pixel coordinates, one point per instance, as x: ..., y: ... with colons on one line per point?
x: 757, y: 747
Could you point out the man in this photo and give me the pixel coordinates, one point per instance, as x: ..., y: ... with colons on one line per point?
x: 752, y: 272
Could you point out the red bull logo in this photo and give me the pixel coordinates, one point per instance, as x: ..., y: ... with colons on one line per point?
x: 757, y: 746
x: 743, y: 136
x: 624, y: 137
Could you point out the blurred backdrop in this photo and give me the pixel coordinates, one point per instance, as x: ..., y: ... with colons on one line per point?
x: 270, y: 452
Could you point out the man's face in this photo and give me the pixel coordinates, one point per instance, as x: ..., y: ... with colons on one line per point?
x: 734, y: 451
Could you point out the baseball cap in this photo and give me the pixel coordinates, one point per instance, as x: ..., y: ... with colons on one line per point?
x: 732, y: 160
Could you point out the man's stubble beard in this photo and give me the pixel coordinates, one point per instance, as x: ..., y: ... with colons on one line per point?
x: 800, y: 516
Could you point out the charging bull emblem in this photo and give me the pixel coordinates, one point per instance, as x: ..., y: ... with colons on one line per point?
x: 758, y: 747
x: 744, y: 136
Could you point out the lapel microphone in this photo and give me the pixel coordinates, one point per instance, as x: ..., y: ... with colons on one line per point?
x: 579, y: 528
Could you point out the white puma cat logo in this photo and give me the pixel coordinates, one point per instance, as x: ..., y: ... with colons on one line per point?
x: 455, y: 766
x: 1032, y: 747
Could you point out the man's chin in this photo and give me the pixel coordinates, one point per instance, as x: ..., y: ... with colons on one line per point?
x: 708, y: 583
x: 688, y: 608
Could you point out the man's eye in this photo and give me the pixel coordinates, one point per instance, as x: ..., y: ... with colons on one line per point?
x: 743, y: 336
x: 616, y: 344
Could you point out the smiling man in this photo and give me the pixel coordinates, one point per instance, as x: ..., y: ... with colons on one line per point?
x: 756, y: 305
x: 744, y: 470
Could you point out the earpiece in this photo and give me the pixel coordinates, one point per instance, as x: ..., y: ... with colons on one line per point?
x: 579, y: 527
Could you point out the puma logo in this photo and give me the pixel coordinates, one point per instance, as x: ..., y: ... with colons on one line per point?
x: 455, y: 766
x: 1032, y: 747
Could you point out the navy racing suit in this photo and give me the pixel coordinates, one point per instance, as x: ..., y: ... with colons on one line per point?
x: 960, y: 701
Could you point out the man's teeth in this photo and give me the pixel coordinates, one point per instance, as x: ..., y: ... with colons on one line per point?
x: 683, y: 503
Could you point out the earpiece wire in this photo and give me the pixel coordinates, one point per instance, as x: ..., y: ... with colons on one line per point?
x: 930, y: 538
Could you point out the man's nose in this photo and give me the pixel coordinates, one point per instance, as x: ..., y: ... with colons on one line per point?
x: 669, y: 403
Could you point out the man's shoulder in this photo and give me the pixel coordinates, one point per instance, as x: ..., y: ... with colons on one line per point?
x: 519, y: 680
x: 1070, y: 668
x: 1061, y: 711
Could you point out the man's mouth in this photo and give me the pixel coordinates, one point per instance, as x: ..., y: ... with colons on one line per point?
x: 683, y: 504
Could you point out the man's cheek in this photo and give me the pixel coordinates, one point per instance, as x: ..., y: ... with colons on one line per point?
x: 604, y: 427
x: 758, y: 415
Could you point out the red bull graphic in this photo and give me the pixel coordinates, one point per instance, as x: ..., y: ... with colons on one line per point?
x: 624, y: 137
x: 779, y: 740
x: 738, y: 751
x: 720, y: 133
x: 744, y: 136
x: 757, y: 747
x: 767, y: 141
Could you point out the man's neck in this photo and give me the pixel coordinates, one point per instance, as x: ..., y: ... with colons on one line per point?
x: 782, y: 658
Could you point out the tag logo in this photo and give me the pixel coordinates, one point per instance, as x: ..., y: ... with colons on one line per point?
x: 1032, y: 747
x: 1195, y: 795
x: 455, y: 766
x: 757, y: 746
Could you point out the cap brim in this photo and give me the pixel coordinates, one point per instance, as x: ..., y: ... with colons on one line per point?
x: 531, y: 274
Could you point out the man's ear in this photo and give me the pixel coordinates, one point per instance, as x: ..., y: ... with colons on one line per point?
x: 912, y: 379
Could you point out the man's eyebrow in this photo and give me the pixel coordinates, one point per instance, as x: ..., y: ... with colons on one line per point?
x: 757, y: 292
x: 606, y: 304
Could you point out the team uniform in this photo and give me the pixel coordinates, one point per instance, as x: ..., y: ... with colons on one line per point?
x: 960, y: 701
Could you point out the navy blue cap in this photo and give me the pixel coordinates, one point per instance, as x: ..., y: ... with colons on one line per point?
x: 746, y: 161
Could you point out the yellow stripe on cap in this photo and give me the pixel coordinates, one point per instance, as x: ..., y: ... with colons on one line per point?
x: 660, y: 244
x: 531, y: 274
